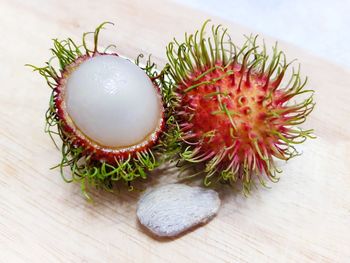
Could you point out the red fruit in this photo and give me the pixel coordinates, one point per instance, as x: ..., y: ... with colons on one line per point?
x: 234, y: 111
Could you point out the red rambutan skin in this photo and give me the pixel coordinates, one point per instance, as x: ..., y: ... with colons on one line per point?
x: 79, y: 139
x: 234, y: 115
x: 237, y: 118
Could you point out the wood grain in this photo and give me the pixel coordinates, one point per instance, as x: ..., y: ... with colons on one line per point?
x: 303, y: 218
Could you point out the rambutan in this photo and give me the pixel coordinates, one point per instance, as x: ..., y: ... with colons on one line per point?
x: 234, y: 115
x: 108, y: 112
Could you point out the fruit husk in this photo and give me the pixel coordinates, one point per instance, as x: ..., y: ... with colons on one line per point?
x: 84, y: 167
x: 202, y: 67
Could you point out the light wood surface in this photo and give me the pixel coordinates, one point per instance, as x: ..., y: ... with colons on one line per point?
x: 303, y: 218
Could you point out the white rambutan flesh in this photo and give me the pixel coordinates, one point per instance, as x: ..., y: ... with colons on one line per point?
x: 113, y: 102
x: 109, y: 113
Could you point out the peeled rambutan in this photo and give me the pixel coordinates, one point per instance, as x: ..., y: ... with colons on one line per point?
x: 108, y: 112
x: 235, y: 112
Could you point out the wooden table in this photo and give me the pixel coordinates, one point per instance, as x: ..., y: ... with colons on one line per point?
x: 303, y: 218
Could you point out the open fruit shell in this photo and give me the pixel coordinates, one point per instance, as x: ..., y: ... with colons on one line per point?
x: 89, y: 163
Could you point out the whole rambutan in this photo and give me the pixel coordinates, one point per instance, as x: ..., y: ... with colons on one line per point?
x: 235, y: 113
x: 108, y: 112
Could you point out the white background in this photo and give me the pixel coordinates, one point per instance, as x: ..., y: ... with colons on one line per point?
x: 319, y: 26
